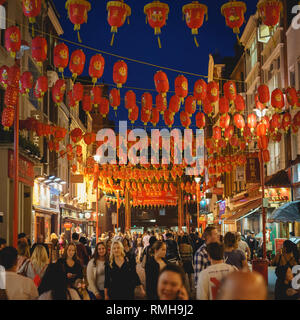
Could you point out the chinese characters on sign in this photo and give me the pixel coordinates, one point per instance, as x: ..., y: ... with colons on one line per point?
x: 278, y: 194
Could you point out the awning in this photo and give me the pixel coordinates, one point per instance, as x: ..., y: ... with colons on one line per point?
x: 280, y: 180
x: 240, y: 213
x: 289, y: 212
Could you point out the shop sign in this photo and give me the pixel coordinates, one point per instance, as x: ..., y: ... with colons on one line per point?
x: 210, y: 218
x: 222, y: 208
x: 26, y: 169
x: 252, y: 169
x: 275, y: 195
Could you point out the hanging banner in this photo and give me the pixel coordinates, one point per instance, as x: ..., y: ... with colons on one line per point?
x: 211, y: 66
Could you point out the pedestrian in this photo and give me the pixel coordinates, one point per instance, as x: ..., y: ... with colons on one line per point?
x: 2, y: 243
x: 210, y: 278
x: 62, y: 244
x: 71, y: 264
x: 121, y: 278
x: 22, y: 236
x: 139, y: 250
x: 286, y: 257
x: 146, y: 252
x: 283, y: 287
x: 36, y: 266
x: 233, y: 256
x: 186, y: 254
x: 96, y: 271
x: 240, y: 285
x: 201, y: 260
x: 84, y: 240
x: 108, y: 246
x: 153, y: 266
x: 129, y: 252
x: 40, y: 241
x: 54, y: 285
x: 171, y: 284
x: 252, y: 243
x: 23, y: 253
x: 17, y: 286
x: 243, y: 246
x: 93, y: 242
x: 54, y: 248
x: 81, y: 252
x: 146, y: 239
x: 172, y: 254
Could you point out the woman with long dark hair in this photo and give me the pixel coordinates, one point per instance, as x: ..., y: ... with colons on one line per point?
x: 96, y: 271
x: 71, y: 264
x: 54, y: 285
x: 153, y: 267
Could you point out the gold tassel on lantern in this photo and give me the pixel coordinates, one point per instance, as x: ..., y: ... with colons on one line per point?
x: 159, y: 43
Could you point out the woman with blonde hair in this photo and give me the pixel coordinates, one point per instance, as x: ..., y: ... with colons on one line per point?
x: 36, y: 266
x: 23, y: 253
x: 121, y: 277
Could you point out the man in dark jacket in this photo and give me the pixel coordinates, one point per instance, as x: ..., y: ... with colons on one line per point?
x: 81, y: 250
x: 253, y: 244
x: 172, y: 254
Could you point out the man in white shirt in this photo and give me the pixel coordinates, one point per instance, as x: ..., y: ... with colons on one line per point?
x: 17, y: 287
x: 243, y: 246
x: 146, y: 239
x: 210, y: 278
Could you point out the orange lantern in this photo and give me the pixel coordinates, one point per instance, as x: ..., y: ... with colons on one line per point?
x: 251, y: 121
x: 13, y: 40
x: 169, y: 118
x: 228, y: 132
x: 266, y: 155
x: 217, y: 133
x: 213, y: 91
x: 11, y: 96
x: 118, y: 11
x: 277, y: 99
x: 275, y: 122
x: 208, y: 108
x: 263, y: 94
x: 239, y: 103
x: 154, y: 116
x: 200, y: 120
x: 133, y: 114
x: 223, y: 105
x: 114, y: 98
x: 266, y: 121
x: 286, y: 121
x: 41, y: 87
x: 76, y: 135
x: 120, y: 72
x: 190, y: 105
x: 258, y: 104
x: 130, y: 100
x: 194, y: 16
x: 263, y: 142
x: 174, y: 104
x: 13, y: 76
x: 61, y: 56
x: 224, y: 121
x: 77, y: 63
x: 185, y: 119
x: 26, y: 82
x: 39, y: 50
x: 104, y: 106
x: 239, y: 121
x: 234, y: 141
x: 87, y: 103
x: 145, y: 116
x: 292, y: 98
x: 78, y: 13
x: 200, y: 91
x: 161, y: 83
x: 161, y: 103
x: 8, y: 115
x: 77, y: 92
x: 181, y: 87
x: 234, y: 11
x: 269, y: 11
x: 96, y: 67
x: 261, y: 130
x: 147, y: 102
x: 4, y: 76
x: 58, y: 91
x: 89, y: 138
x: 230, y: 91
x: 156, y: 14
x: 96, y: 95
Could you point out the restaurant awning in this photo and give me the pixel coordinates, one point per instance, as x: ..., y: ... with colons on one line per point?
x: 246, y: 209
x: 289, y: 212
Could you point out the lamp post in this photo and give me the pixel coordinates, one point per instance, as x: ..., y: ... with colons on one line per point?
x: 197, y: 179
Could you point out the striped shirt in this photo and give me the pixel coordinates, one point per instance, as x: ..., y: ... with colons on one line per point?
x: 201, y: 261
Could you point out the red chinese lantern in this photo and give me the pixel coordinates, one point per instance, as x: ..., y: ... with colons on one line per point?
x: 78, y: 13
x: 96, y: 95
x: 234, y: 141
x: 261, y: 130
x: 277, y: 99
x: 251, y: 121
x: 96, y: 67
x: 263, y: 142
x: 13, y: 40
x: 161, y: 83
x: 58, y: 91
x: 292, y: 98
x: 200, y: 91
x: 296, y: 119
x: 26, y: 82
x: 147, y: 102
x: 228, y: 132
x: 89, y: 138
x: 200, y: 120
x: 266, y: 156
x: 61, y: 56
x: 275, y: 122
x: 239, y: 121
x: 217, y: 133
x: 39, y: 50
x: 181, y: 87
x: 104, y: 107
x: 239, y: 103
x: 269, y: 11
x: 234, y: 11
x: 41, y: 87
x: 213, y: 91
x: 224, y: 105
x: 174, y: 104
x: 133, y: 114
x: 194, y: 16
x: 76, y: 135
x: 208, y: 108
x: 242, y: 145
x: 130, y: 100
x: 161, y: 103
x: 266, y: 121
x: 8, y: 115
x: 224, y: 121
x: 263, y: 94
x: 145, y: 116
x: 77, y: 92
x: 230, y: 91
x: 154, y: 116
x: 11, y: 96
x: 31, y: 9
x: 156, y: 14
x: 120, y: 72
x: 4, y: 76
x: 258, y: 104
x: 60, y: 133
x: 87, y: 103
x: 190, y: 105
x: 13, y: 76
x: 118, y: 11
x: 77, y: 62
x: 169, y: 118
x: 286, y: 121
x: 185, y: 119
x: 114, y: 98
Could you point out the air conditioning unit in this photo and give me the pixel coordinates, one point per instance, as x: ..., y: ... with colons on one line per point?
x: 52, y: 78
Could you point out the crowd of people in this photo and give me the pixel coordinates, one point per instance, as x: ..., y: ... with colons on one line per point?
x: 153, y: 266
